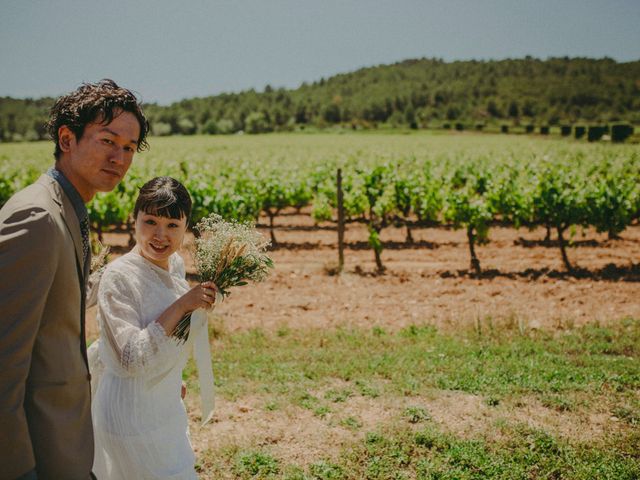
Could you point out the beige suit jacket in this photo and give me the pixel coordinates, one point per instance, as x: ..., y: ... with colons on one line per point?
x: 45, y: 399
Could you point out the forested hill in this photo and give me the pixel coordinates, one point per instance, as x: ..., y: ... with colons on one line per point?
x: 414, y: 93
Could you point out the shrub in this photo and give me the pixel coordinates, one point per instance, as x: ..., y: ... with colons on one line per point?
x: 620, y: 132
x: 595, y: 133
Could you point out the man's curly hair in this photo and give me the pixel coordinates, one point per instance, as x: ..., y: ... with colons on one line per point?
x: 97, y: 102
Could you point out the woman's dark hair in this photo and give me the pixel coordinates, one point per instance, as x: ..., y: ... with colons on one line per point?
x: 163, y: 197
x: 95, y: 102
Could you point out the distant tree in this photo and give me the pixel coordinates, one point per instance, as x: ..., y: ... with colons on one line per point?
x: 186, y: 126
x: 492, y: 109
x: 256, y: 122
x: 331, y: 113
x: 452, y: 113
x: 280, y: 116
x: 210, y: 127
x: 514, y: 110
x: 346, y: 114
x: 375, y: 112
x: 12, y: 126
x: 420, y: 98
x: 301, y: 114
x: 40, y: 128
x: 528, y: 108
x: 399, y: 103
x: 555, y: 91
x: 161, y: 129
x: 410, y: 118
x: 31, y: 135
x: 225, y: 126
x: 440, y: 98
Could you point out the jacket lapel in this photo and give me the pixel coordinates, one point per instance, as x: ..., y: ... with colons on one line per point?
x: 72, y: 223
x: 69, y: 217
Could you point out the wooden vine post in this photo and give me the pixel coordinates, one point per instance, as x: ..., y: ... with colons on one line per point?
x: 340, y: 221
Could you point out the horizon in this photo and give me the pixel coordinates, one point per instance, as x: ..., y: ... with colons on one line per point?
x: 168, y: 52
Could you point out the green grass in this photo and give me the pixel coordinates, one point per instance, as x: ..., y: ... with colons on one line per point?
x: 572, y: 372
x: 432, y: 454
x: 419, y: 358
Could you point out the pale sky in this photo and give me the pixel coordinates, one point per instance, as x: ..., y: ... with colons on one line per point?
x: 167, y: 50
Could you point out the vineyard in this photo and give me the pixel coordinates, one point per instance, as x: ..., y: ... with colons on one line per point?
x: 410, y: 181
x: 527, y: 370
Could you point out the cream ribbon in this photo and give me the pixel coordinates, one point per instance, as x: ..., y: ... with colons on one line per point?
x: 202, y: 357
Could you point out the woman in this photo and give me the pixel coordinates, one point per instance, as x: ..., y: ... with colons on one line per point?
x: 140, y: 422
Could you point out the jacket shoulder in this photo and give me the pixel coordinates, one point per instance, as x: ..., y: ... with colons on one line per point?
x: 31, y: 213
x: 34, y: 195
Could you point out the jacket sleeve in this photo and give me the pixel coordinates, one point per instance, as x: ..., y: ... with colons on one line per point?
x: 28, y: 262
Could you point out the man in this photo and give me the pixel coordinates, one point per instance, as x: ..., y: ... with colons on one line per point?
x: 45, y: 410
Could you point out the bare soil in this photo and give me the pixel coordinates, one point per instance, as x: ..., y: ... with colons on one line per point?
x: 524, y: 280
x: 295, y: 435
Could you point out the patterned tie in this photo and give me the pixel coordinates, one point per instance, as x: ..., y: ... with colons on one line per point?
x: 84, y: 229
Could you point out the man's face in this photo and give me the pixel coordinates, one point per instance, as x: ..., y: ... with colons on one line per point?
x: 102, y: 156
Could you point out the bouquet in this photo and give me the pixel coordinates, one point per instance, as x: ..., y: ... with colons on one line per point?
x: 229, y: 254
x: 99, y: 260
x: 98, y: 265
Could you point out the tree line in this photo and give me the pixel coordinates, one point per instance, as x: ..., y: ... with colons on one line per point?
x: 420, y: 93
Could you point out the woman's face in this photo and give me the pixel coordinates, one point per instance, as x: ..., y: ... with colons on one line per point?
x: 159, y: 237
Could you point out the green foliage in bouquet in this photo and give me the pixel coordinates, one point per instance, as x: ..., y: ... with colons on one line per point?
x: 229, y: 254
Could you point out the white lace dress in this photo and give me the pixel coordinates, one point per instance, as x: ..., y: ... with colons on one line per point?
x: 140, y: 422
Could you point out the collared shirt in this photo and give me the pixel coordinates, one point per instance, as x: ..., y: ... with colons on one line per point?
x: 71, y: 192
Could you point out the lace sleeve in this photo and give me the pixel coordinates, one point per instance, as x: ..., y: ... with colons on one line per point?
x: 137, y: 350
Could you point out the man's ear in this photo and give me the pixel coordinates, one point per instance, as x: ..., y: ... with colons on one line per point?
x: 65, y: 138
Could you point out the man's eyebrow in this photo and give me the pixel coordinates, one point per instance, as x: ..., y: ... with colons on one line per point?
x: 108, y: 130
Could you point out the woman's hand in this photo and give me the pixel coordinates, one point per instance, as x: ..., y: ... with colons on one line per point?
x: 202, y: 295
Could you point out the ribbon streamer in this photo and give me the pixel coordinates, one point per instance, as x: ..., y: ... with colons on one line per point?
x: 202, y: 357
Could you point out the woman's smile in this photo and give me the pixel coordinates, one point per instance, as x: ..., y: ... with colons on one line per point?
x: 159, y: 248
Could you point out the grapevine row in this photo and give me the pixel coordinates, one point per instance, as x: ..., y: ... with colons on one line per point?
x: 470, y: 193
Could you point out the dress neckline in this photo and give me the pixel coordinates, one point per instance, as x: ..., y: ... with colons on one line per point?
x: 135, y: 254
